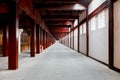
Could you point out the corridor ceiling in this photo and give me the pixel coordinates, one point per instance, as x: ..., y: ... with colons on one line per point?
x: 59, y: 15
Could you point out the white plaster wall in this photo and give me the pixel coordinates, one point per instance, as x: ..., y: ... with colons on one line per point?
x: 76, y: 39
x: 117, y: 34
x: 82, y: 47
x: 82, y: 16
x: 72, y: 39
x: 94, y: 5
x: 69, y: 39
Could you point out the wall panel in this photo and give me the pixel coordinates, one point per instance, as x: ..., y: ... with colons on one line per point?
x: 72, y: 44
x: 98, y: 36
x: 82, y: 47
x: 76, y: 39
x: 117, y: 34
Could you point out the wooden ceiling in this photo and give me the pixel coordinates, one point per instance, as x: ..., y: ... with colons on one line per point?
x: 59, y: 15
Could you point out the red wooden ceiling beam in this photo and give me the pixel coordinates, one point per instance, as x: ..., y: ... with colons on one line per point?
x: 60, y: 17
x: 58, y: 26
x: 62, y: 30
x: 3, y: 8
x: 27, y: 6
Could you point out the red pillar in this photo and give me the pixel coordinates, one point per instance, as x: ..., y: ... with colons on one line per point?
x: 40, y: 40
x: 37, y: 39
x: 33, y: 40
x: 44, y: 40
x: 13, y: 37
x: 5, y: 41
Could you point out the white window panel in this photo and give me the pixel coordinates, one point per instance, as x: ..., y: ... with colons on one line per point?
x: 84, y: 28
x: 93, y: 24
x: 81, y: 30
x: 101, y: 20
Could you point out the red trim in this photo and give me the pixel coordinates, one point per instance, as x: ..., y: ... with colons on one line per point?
x: 87, y: 35
x: 111, y: 35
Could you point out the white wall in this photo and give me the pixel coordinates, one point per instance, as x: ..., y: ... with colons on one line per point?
x: 82, y: 16
x: 66, y: 40
x: 94, y: 5
x: 82, y: 43
x: 117, y: 34
x: 98, y: 39
x: 76, y: 39
x: 72, y: 39
x: 69, y: 39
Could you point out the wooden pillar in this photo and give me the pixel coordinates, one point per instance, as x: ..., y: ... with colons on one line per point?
x: 111, y: 34
x: 33, y: 40
x: 5, y: 40
x: 13, y: 36
x: 40, y: 39
x: 87, y: 34
x: 37, y: 39
x: 44, y: 39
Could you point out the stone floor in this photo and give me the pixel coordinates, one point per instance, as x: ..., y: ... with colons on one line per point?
x: 57, y: 63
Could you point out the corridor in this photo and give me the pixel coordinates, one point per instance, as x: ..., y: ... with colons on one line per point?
x: 58, y: 62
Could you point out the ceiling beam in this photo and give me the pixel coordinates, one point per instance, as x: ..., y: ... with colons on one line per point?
x: 56, y: 6
x: 57, y: 26
x: 62, y: 30
x: 58, y: 21
x: 3, y: 8
x: 60, y: 17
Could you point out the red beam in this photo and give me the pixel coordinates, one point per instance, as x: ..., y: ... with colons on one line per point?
x: 62, y: 30
x: 27, y: 6
x: 60, y: 17
x: 3, y: 8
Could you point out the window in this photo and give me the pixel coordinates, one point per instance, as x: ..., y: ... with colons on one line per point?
x: 76, y: 22
x: 95, y: 4
x: 93, y: 24
x: 84, y: 28
x: 81, y: 29
x: 101, y: 20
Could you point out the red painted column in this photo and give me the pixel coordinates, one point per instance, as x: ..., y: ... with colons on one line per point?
x: 37, y: 39
x: 5, y: 41
x: 40, y: 39
x: 33, y: 40
x: 44, y: 40
x: 13, y: 37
